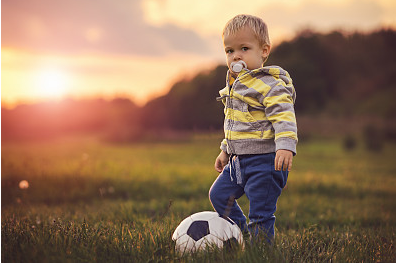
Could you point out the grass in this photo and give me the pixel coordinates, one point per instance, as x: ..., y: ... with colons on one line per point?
x: 95, y: 202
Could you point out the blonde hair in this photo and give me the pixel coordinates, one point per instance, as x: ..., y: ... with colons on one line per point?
x: 253, y: 22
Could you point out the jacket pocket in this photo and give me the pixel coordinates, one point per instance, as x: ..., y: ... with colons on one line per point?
x: 252, y: 121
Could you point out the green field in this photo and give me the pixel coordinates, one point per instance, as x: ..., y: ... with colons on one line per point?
x: 89, y: 201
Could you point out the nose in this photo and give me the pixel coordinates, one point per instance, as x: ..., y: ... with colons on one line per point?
x: 237, y: 56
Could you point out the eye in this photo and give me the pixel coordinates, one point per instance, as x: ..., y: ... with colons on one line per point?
x: 245, y: 49
x: 229, y: 51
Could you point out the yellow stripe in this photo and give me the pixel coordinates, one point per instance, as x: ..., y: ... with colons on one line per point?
x: 284, y: 98
x: 224, y: 91
x: 287, y: 134
x: 237, y: 115
x: 283, y: 116
x: 256, y: 84
x: 234, y: 135
x: 274, y: 71
x: 290, y: 85
x: 236, y: 95
x: 249, y: 100
x: 252, y: 101
x: 231, y: 80
x: 240, y: 116
x: 259, y: 115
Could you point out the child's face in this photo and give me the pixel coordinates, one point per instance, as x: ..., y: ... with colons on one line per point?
x: 243, y: 45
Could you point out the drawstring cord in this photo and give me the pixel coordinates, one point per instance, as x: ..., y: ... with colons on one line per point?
x: 234, y: 163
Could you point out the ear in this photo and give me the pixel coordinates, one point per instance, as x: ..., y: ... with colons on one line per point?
x: 266, y: 50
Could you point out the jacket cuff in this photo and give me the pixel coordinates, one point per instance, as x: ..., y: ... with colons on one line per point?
x: 286, y: 144
x: 223, y: 146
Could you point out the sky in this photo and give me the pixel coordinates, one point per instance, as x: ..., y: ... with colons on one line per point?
x: 55, y: 49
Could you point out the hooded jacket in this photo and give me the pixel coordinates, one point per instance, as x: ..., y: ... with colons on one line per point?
x: 259, y: 112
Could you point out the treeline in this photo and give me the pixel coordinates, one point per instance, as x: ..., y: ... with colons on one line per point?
x: 334, y: 74
x: 51, y: 119
x: 342, y: 74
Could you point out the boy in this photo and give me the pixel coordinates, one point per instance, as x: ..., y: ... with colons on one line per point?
x: 259, y: 125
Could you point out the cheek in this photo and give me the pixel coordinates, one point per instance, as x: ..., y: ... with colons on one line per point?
x: 228, y: 60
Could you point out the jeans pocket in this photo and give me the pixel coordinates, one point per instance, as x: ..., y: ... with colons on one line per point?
x: 281, y: 178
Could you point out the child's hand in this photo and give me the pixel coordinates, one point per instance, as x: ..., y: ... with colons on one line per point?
x: 283, y: 158
x: 221, y: 161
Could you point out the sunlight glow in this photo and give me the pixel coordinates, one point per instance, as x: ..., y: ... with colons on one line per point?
x: 92, y: 75
x: 51, y: 83
x: 94, y: 62
x: 23, y: 184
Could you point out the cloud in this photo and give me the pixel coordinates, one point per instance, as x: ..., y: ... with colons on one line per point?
x: 76, y: 26
x: 284, y: 17
x: 323, y: 15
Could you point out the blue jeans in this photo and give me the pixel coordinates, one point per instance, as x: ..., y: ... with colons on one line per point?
x: 255, y: 176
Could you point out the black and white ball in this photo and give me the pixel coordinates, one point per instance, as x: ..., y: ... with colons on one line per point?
x: 206, y: 229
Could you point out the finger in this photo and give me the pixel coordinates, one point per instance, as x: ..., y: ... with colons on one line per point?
x: 285, y: 164
x: 276, y: 162
x: 280, y: 163
x: 290, y: 164
x: 221, y: 166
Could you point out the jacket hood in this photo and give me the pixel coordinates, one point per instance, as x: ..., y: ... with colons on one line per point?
x: 275, y: 71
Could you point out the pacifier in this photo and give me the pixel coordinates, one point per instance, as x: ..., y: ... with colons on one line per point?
x: 238, y: 66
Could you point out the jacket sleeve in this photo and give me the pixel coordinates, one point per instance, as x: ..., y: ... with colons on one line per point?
x: 223, y: 145
x: 223, y: 98
x: 279, y: 109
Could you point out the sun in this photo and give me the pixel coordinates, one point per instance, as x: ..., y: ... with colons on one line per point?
x: 52, y: 83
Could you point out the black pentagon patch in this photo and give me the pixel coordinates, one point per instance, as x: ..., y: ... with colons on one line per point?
x: 198, y: 229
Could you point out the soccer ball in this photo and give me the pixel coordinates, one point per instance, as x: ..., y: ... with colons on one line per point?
x: 206, y: 229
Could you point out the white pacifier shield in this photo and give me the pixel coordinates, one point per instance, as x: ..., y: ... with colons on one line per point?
x: 238, y: 66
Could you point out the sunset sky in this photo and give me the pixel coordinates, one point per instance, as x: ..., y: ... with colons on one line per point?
x: 52, y: 49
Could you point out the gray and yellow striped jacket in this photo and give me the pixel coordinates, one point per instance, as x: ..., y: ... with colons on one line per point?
x: 259, y: 112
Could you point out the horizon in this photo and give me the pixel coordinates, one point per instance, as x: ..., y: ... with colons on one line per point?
x: 139, y: 49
